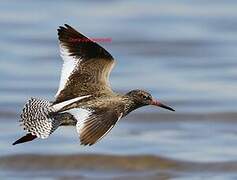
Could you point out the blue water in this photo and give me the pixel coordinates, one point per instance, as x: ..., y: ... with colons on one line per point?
x: 183, y: 52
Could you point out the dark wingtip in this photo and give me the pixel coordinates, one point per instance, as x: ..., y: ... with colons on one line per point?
x: 26, y: 138
x: 65, y: 31
x: 66, y: 25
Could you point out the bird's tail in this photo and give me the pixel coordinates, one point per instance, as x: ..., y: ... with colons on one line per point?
x: 36, y: 118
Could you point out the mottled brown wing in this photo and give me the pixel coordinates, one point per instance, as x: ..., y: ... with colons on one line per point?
x: 86, y: 66
x: 96, y: 126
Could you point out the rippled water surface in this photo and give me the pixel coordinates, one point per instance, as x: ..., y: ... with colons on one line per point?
x: 183, y: 52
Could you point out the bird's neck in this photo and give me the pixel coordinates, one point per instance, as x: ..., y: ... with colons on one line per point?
x: 130, y: 104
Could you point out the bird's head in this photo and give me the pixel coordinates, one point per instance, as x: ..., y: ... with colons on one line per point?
x: 143, y: 98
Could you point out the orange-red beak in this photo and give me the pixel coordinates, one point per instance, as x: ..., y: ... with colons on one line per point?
x: 158, y: 103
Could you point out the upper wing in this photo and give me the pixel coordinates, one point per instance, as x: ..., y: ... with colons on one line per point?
x: 86, y: 66
x: 94, y: 125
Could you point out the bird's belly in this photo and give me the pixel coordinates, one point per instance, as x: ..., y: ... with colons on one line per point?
x: 66, y: 119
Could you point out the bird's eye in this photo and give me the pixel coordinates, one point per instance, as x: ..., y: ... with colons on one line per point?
x: 145, y: 97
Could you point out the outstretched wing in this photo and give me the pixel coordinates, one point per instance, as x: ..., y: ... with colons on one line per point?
x: 94, y: 125
x: 86, y: 66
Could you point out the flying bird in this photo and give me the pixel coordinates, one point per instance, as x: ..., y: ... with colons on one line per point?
x: 84, y: 98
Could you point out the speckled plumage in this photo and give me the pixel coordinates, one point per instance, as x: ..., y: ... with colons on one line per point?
x: 94, y: 64
x: 84, y: 98
x: 35, y: 118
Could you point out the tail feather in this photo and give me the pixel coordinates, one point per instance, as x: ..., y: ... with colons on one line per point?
x: 36, y: 119
x: 26, y: 138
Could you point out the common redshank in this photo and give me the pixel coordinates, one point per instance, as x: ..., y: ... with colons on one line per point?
x: 84, y: 98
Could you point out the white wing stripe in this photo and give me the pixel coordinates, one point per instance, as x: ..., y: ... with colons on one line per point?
x: 59, y: 106
x: 80, y: 115
x: 70, y: 64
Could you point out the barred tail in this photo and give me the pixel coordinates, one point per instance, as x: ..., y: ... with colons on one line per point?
x: 37, y: 120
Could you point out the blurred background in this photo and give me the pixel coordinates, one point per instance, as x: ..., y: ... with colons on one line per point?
x: 183, y: 52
